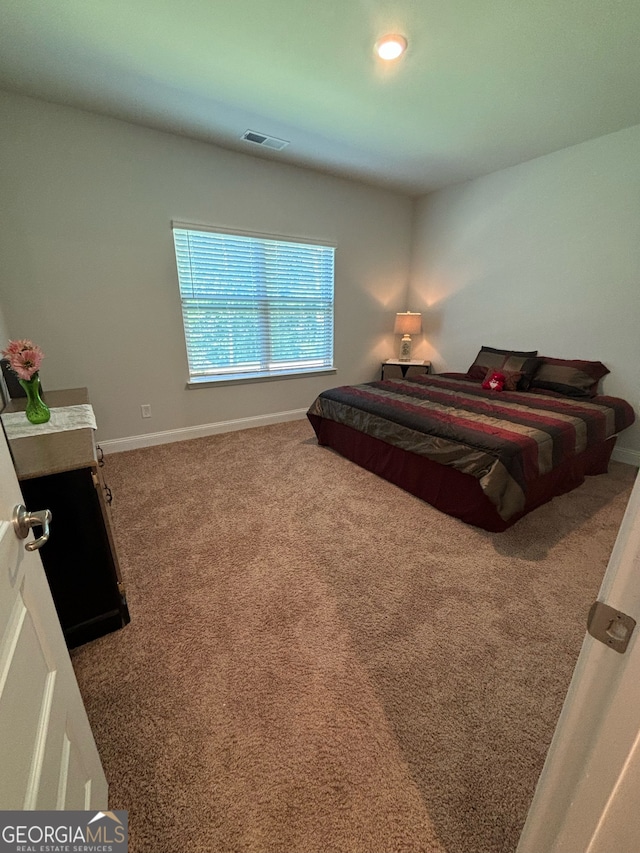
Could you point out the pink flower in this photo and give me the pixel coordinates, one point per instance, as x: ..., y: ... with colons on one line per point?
x: 14, y: 347
x: 24, y: 358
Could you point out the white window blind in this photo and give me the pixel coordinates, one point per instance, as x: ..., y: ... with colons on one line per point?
x: 254, y: 306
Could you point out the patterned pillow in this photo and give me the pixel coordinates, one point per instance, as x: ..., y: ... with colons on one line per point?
x: 504, y: 360
x: 571, y: 377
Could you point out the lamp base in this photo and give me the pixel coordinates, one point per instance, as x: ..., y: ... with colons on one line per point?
x: 405, y: 348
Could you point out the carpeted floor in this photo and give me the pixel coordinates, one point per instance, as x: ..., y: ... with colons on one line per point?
x: 319, y: 662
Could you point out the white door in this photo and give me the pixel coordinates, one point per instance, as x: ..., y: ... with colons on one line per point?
x: 49, y: 757
x: 588, y: 793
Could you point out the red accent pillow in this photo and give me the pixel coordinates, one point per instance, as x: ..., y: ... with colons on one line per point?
x: 494, y: 380
x: 508, y: 379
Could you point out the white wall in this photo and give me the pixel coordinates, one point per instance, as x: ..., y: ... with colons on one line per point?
x: 88, y: 270
x: 546, y: 256
x: 4, y: 330
x: 4, y: 337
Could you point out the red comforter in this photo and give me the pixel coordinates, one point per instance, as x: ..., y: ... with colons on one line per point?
x: 506, y: 440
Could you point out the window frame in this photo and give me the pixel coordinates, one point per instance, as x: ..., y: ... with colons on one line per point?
x: 242, y: 376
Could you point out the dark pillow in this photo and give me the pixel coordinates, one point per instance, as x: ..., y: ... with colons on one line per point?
x: 571, y: 377
x: 504, y: 360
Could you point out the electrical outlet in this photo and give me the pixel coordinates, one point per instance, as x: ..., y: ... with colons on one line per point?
x: 145, y: 408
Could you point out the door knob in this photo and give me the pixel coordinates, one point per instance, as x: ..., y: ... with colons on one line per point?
x: 23, y: 521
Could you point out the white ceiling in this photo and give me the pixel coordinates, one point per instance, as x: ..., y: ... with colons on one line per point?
x: 484, y: 84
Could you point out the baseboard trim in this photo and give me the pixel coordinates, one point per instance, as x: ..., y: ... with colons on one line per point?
x: 150, y: 439
x: 623, y: 454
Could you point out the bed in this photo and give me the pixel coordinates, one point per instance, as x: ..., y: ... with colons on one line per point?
x: 485, y: 455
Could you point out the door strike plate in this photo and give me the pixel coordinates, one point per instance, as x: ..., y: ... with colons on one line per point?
x: 610, y: 626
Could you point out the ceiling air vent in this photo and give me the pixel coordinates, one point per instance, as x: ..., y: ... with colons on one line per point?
x: 264, y: 140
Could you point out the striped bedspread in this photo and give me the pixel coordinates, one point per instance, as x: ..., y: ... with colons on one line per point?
x: 504, y: 439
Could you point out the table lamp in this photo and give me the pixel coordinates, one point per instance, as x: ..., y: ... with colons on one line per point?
x: 407, y: 324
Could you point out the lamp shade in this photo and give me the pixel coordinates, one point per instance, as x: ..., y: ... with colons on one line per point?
x: 408, y: 323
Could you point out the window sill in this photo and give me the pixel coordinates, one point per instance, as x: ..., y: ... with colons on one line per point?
x: 239, y: 379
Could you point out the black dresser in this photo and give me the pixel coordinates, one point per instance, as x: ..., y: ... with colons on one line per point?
x: 64, y: 472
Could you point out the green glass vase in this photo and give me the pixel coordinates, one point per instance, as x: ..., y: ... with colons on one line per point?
x: 37, y: 411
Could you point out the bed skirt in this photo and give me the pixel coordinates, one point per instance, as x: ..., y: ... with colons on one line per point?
x: 447, y: 489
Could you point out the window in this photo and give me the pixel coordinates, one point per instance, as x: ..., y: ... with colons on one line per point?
x: 253, y: 306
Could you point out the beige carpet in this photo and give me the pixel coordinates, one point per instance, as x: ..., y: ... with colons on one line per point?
x: 317, y: 661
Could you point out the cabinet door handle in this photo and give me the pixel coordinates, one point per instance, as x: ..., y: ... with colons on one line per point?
x: 23, y: 521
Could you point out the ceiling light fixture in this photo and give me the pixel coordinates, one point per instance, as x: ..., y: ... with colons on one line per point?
x: 391, y: 47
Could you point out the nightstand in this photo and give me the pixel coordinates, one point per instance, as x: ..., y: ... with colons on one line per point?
x: 392, y: 368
